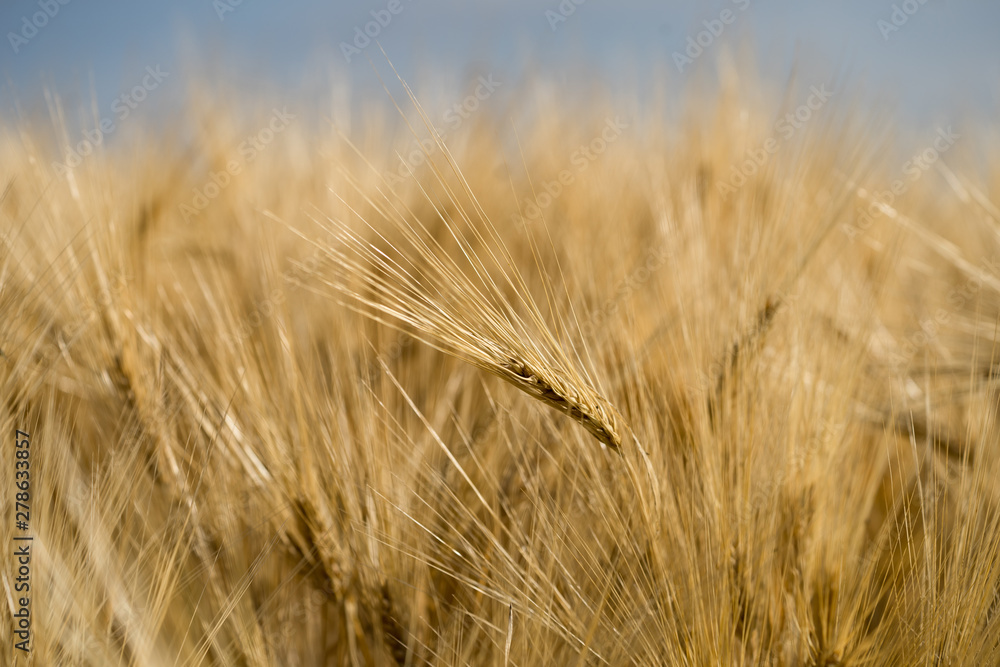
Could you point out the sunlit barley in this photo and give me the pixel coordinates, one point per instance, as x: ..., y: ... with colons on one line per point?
x: 269, y: 428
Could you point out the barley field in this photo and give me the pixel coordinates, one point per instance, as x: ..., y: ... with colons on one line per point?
x: 629, y: 382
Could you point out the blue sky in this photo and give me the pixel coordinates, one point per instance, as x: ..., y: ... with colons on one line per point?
x: 942, y: 61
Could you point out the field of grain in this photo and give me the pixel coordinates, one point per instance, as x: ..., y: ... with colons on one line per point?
x: 710, y: 383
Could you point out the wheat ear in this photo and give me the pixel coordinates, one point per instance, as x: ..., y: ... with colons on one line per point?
x: 447, y: 310
x: 460, y: 308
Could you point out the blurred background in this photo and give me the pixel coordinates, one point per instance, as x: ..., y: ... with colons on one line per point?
x: 927, y: 60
